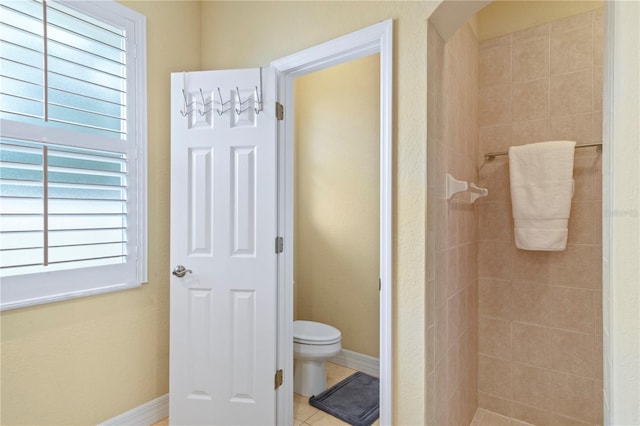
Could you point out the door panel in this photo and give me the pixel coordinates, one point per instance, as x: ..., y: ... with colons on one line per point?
x: 200, y: 365
x: 243, y: 200
x: 243, y: 345
x: 200, y: 206
x: 223, y: 228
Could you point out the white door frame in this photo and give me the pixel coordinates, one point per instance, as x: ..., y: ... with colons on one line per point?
x: 374, y: 39
x: 621, y: 213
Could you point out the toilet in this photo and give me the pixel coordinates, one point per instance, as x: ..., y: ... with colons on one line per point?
x: 313, y: 344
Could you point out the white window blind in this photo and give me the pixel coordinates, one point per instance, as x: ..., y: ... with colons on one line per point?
x: 62, y: 67
x: 72, y: 150
x: 62, y: 208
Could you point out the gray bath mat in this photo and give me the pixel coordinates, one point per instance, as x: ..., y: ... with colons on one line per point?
x: 353, y: 400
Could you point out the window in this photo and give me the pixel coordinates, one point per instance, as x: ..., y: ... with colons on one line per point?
x: 72, y: 150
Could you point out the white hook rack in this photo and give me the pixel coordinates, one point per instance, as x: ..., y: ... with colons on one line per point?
x: 454, y: 186
x: 220, y: 106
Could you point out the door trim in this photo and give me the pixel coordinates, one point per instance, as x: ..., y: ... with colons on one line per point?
x: 377, y: 38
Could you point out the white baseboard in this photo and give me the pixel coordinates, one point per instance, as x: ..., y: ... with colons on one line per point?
x: 144, y: 415
x: 357, y: 361
x: 157, y: 409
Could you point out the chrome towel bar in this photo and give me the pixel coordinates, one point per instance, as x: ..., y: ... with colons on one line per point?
x: 492, y: 155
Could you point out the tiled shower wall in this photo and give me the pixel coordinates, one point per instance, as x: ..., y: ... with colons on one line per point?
x: 452, y: 294
x: 540, y: 313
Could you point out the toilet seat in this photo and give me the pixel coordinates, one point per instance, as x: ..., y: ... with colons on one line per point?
x: 315, y: 333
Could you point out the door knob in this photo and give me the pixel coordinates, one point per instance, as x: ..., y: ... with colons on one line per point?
x: 180, y: 271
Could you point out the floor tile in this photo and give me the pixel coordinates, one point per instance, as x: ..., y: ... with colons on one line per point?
x: 301, y: 408
x: 487, y: 418
x: 336, y: 373
x: 324, y: 419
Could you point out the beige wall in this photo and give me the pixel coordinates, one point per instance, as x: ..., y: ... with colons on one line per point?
x: 246, y: 34
x: 540, y: 324
x: 337, y: 200
x: 504, y: 17
x: 83, y: 361
x: 98, y: 362
x: 90, y: 359
x: 452, y: 287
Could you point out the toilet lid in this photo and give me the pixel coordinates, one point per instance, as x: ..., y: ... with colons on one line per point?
x: 315, y: 333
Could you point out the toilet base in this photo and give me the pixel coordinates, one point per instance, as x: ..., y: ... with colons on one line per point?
x: 309, y: 377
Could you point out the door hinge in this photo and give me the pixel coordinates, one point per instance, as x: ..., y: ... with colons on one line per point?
x: 279, y: 111
x: 279, y: 245
x: 278, y: 379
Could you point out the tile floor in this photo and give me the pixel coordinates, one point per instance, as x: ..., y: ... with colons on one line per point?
x: 306, y: 415
x: 487, y: 418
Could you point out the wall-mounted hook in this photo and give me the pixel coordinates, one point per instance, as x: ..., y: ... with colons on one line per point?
x: 257, y: 104
x: 185, y: 105
x: 205, y: 105
x: 239, y: 109
x: 241, y: 104
x: 222, y: 103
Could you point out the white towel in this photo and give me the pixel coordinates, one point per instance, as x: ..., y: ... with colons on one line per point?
x: 541, y: 192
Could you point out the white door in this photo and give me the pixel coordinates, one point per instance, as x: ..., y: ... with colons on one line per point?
x: 223, y: 231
